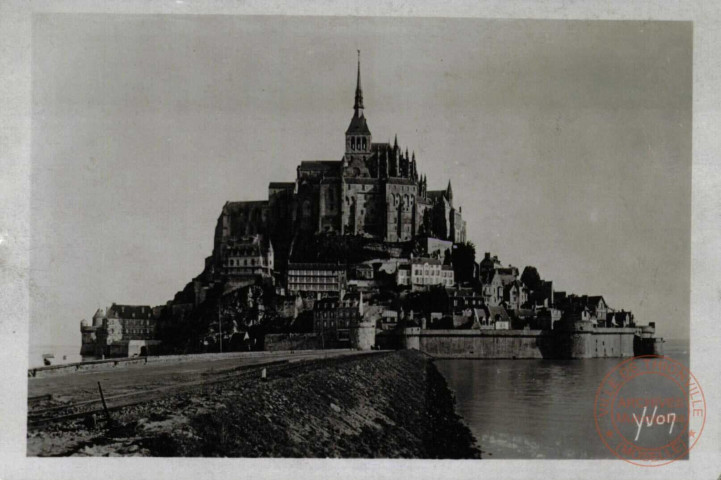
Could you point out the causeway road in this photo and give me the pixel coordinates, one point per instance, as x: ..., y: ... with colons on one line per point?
x: 83, y: 386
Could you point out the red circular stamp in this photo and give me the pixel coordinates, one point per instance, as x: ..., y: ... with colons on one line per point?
x: 650, y: 410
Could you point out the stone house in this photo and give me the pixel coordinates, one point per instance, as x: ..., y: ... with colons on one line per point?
x: 515, y: 294
x: 462, y: 299
x: 334, y: 316
x: 427, y: 272
x: 492, y: 288
x: 247, y: 256
x: 403, y: 275
x: 121, y: 330
x: 619, y: 319
x: 316, y: 278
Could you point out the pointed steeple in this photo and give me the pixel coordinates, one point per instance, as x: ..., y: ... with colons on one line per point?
x: 395, y: 143
x: 449, y: 193
x: 358, y: 135
x: 358, y: 107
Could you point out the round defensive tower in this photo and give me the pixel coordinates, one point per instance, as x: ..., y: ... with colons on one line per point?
x: 580, y: 334
x: 410, y: 339
x: 98, y: 317
x: 363, y: 331
x: 88, y: 337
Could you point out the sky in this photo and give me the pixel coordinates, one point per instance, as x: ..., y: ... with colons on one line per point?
x: 568, y: 144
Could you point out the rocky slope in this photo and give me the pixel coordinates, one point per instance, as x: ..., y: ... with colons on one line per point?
x: 393, y: 405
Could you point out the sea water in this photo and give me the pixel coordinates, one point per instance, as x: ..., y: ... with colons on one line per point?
x: 62, y: 353
x: 535, y: 408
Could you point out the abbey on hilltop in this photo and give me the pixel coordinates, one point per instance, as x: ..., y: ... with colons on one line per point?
x: 295, y: 271
x: 375, y: 190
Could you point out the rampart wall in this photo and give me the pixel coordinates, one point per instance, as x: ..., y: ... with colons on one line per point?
x: 595, y: 343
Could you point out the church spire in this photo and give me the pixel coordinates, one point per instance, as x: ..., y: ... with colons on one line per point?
x: 449, y: 193
x: 358, y: 136
x: 358, y: 107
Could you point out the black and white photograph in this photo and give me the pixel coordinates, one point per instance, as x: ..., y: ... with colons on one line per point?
x: 396, y: 237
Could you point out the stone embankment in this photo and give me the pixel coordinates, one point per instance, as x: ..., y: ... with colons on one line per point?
x: 394, y: 405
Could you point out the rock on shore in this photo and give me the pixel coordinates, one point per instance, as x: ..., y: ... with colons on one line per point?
x: 394, y: 405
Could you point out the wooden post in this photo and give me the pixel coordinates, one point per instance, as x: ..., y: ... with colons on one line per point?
x: 105, y: 406
x: 263, y: 376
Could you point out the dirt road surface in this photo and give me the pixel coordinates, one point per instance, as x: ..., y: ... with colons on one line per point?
x: 82, y: 386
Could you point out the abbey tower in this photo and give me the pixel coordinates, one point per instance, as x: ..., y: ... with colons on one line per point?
x: 375, y: 190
